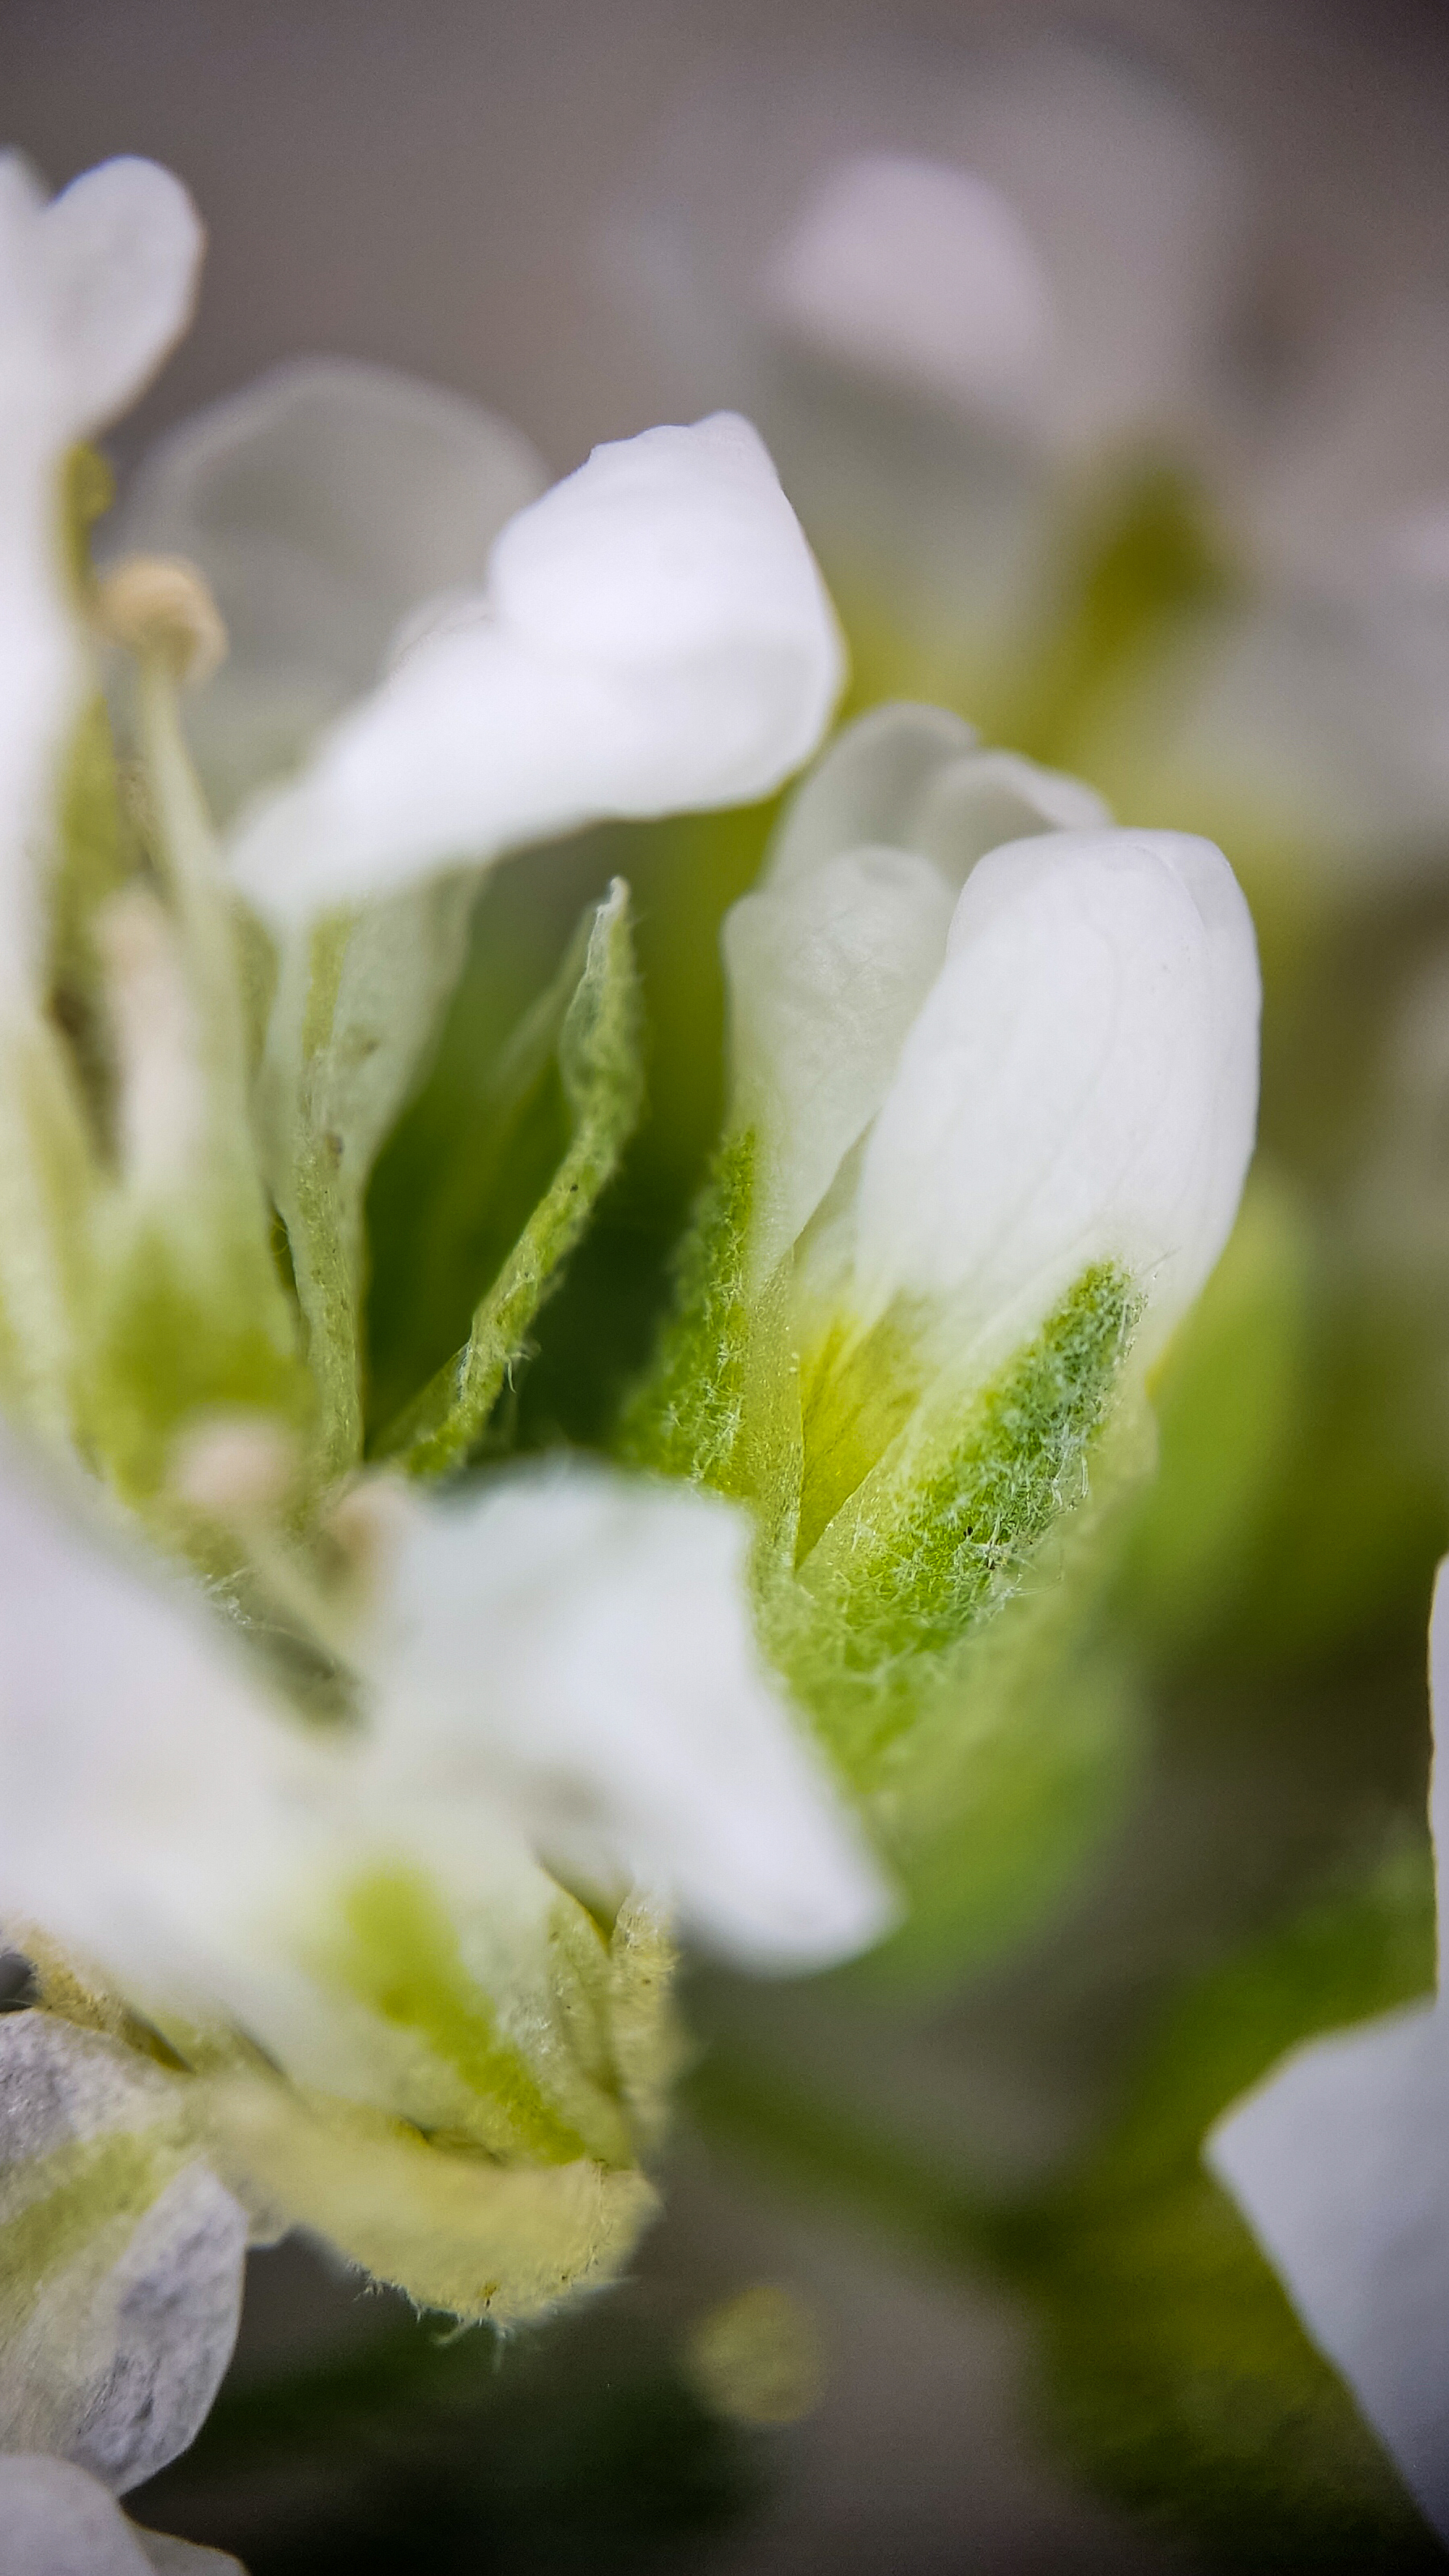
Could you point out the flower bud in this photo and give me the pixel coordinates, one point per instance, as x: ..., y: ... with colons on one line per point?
x: 985, y: 1045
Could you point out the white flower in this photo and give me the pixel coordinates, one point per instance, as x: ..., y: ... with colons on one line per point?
x: 59, y: 2522
x: 653, y: 635
x: 94, y: 288
x: 1036, y: 238
x: 562, y: 1666
x: 985, y: 1041
x: 325, y: 505
x: 1339, y: 2163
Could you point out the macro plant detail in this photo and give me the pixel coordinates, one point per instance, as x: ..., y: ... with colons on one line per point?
x: 355, y: 1790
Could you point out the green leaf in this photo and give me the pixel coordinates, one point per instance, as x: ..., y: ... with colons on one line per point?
x: 357, y: 1004
x: 600, y: 1069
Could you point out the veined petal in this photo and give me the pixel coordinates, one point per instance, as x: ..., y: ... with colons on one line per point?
x: 910, y: 777
x: 654, y: 636
x: 1078, y: 1086
x: 868, y: 787
x: 324, y: 504
x: 832, y: 956
x: 120, y: 2288
x: 826, y: 973
x: 584, y: 1643
x: 59, y: 2522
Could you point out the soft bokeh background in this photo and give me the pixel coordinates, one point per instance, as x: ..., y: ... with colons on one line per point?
x: 440, y: 187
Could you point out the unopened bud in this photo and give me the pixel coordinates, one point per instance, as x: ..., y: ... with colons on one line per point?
x: 161, y: 604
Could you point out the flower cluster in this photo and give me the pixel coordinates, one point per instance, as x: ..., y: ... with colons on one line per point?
x: 345, y: 1823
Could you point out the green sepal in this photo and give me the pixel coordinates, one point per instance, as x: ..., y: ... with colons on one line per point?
x: 944, y: 1529
x: 357, y: 1005
x: 601, y: 1072
x: 687, y: 1417
x: 188, y: 1318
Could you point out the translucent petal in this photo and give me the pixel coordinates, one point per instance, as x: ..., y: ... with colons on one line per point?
x: 323, y: 504
x: 826, y: 974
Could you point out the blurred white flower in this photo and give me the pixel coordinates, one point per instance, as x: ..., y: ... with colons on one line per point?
x: 1338, y: 2161
x: 562, y: 1667
x: 960, y: 287
x: 985, y: 1041
x: 94, y: 288
x: 59, y: 2522
x: 325, y: 505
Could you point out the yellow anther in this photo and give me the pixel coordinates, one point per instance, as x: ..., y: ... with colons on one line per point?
x: 161, y: 604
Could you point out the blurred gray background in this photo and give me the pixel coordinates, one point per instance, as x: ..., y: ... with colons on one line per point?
x: 427, y: 185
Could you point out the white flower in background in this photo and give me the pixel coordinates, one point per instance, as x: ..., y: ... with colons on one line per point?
x: 958, y: 286
x: 1308, y: 711
x: 1339, y: 2161
x: 985, y: 1041
x: 963, y: 289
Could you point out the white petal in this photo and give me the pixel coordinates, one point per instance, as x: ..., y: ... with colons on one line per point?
x: 59, y: 2522
x: 41, y: 667
x: 868, y: 788
x: 983, y: 799
x: 323, y: 504
x: 911, y: 777
x: 584, y: 1642
x: 122, y: 249
x: 1072, y: 1090
x: 921, y: 272
x: 826, y: 973
x: 115, y: 2361
x: 654, y: 637
x: 152, y: 1804
x: 1338, y: 2162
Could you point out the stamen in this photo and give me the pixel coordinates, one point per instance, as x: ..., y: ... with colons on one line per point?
x: 160, y: 605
